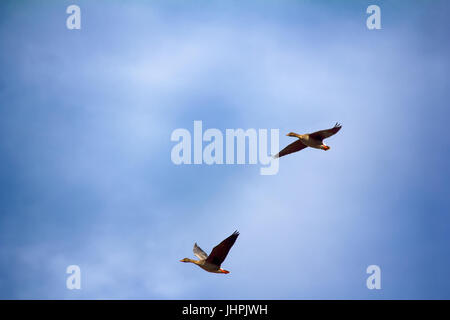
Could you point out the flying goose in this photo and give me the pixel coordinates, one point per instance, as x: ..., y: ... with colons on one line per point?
x: 212, y: 262
x: 313, y: 140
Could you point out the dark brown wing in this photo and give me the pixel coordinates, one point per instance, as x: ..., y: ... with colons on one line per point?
x: 293, y: 147
x: 323, y: 134
x: 219, y: 253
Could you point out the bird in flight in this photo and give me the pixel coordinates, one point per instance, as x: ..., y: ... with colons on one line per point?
x: 212, y: 262
x: 313, y: 140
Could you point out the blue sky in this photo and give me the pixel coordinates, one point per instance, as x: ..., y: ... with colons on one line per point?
x: 87, y: 179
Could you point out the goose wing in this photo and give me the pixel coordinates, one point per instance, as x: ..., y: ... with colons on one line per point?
x: 219, y: 253
x: 199, y: 253
x: 293, y: 147
x: 323, y: 134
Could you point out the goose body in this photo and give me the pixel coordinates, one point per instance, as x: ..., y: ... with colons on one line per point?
x: 213, y: 261
x: 312, y: 140
x: 206, y: 266
x: 309, y: 141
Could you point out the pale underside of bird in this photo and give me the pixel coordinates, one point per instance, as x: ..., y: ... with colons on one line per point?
x: 213, y: 261
x: 313, y: 140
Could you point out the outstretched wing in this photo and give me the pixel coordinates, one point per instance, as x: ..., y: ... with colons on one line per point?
x: 323, y: 134
x: 293, y: 147
x: 219, y: 253
x: 199, y: 253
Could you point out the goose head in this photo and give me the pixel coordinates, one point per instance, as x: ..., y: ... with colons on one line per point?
x: 293, y: 134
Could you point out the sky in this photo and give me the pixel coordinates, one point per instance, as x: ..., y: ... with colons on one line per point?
x: 87, y: 177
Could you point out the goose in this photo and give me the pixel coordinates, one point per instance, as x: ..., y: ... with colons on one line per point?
x: 212, y: 262
x: 313, y: 140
